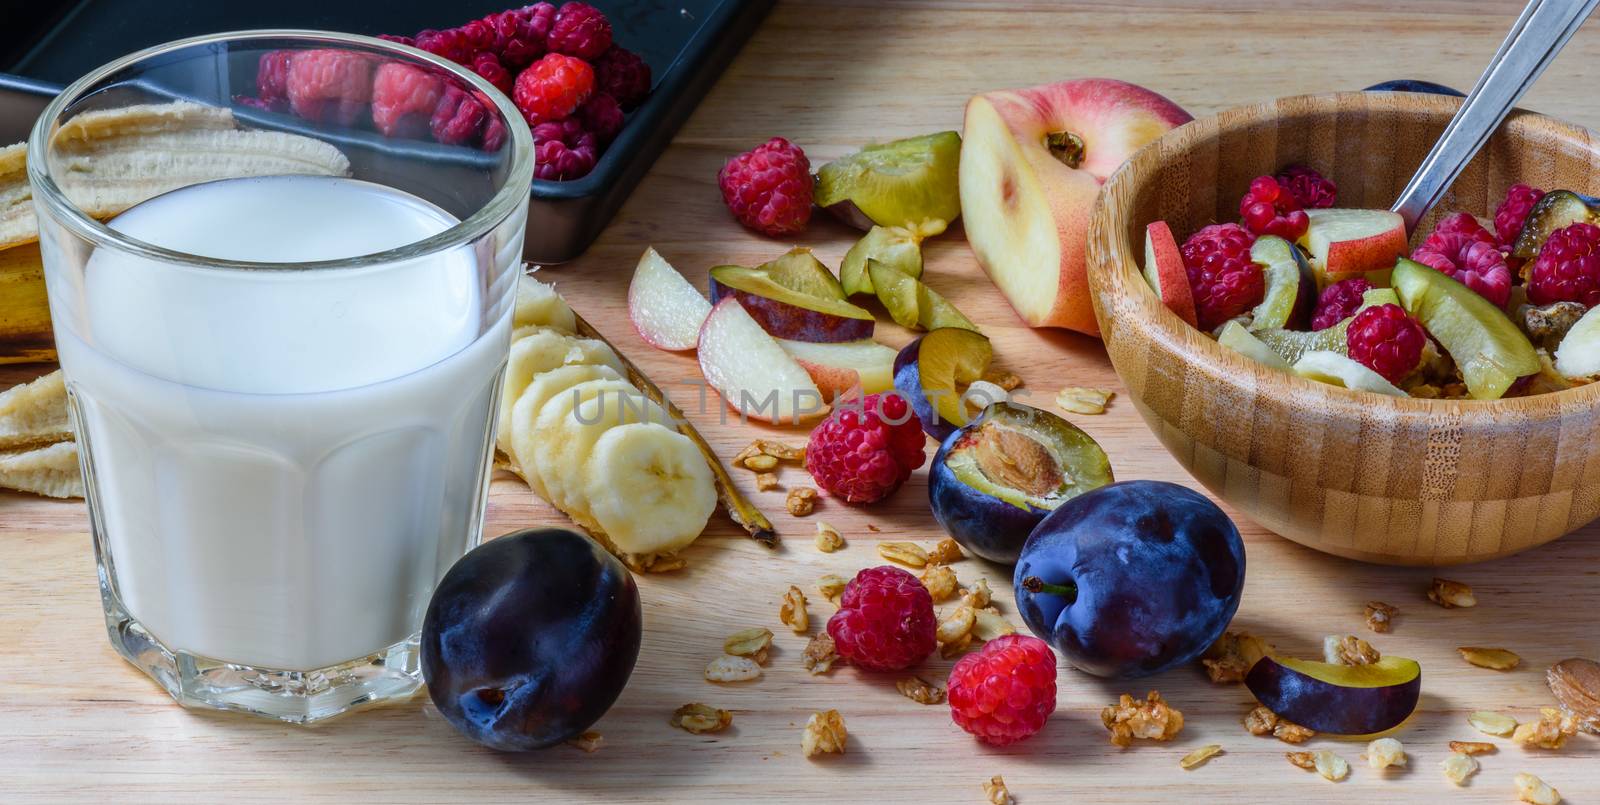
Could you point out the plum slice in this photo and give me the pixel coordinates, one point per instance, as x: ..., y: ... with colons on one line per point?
x: 913, y: 304
x: 1491, y: 351
x: 895, y: 247
x: 908, y: 183
x: 933, y: 372
x: 794, y: 297
x: 1291, y: 285
x: 1558, y: 209
x: 1338, y: 699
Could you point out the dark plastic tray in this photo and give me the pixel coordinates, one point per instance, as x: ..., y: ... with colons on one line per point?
x: 686, y: 42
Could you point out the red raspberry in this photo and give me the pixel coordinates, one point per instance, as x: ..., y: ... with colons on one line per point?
x: 519, y: 34
x: 1468, y: 255
x: 404, y: 40
x: 1338, y: 302
x: 1311, y: 190
x: 1513, y: 211
x: 623, y: 75
x: 459, y: 118
x: 329, y: 86
x: 488, y: 65
x: 885, y: 620
x: 563, y: 150
x: 449, y: 44
x: 479, y: 36
x: 404, y: 98
x: 553, y: 87
x: 866, y: 448
x: 1270, y: 209
x: 1004, y: 692
x: 768, y: 188
x: 580, y: 30
x: 602, y: 116
x: 1568, y: 267
x: 494, y: 133
x: 1224, y: 281
x: 272, y: 76
x: 1387, y: 341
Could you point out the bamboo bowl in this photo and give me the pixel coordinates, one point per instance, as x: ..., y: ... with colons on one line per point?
x: 1356, y: 474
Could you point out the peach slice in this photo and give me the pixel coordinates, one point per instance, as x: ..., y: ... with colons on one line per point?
x: 665, y: 309
x: 1344, y: 242
x: 1163, y: 269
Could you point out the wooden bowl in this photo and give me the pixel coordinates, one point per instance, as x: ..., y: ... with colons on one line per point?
x: 1356, y: 474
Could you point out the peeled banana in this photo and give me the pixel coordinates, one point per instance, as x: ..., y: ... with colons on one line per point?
x: 37, y: 451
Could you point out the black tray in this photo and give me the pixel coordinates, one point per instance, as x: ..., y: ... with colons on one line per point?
x: 686, y: 42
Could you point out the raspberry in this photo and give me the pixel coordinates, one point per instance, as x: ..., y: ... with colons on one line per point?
x: 1311, y: 190
x: 1468, y: 255
x: 1338, y: 302
x: 1513, y: 211
x: 1270, y: 209
x: 885, y: 620
x: 580, y: 30
x: 1387, y: 341
x: 404, y: 40
x: 404, y: 98
x: 494, y: 133
x: 478, y: 36
x: 1004, y: 692
x: 623, y: 75
x: 459, y: 118
x: 768, y: 188
x: 866, y: 448
x: 519, y: 34
x: 553, y: 87
x: 272, y: 76
x: 602, y: 116
x: 1224, y: 281
x: 449, y: 44
x: 329, y: 86
x: 1465, y: 224
x: 1568, y: 267
x: 563, y: 150
x: 488, y: 65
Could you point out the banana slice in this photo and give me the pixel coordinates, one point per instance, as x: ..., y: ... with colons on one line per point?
x: 35, y: 413
x: 545, y: 386
x: 539, y: 305
x: 51, y: 471
x: 648, y: 488
x: 540, y: 350
x: 569, y: 424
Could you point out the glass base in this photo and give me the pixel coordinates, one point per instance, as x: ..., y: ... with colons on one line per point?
x: 298, y: 697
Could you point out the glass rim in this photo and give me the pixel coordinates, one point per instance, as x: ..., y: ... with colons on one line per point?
x: 467, y: 230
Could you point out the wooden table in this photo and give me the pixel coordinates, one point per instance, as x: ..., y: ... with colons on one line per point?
x: 76, y: 723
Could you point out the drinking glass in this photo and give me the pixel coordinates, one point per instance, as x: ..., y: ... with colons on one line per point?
x: 281, y: 267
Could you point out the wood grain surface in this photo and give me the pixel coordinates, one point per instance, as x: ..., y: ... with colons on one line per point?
x: 1358, y: 474
x: 77, y: 724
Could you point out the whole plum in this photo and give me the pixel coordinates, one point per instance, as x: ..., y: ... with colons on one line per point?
x: 529, y: 638
x: 1132, y: 578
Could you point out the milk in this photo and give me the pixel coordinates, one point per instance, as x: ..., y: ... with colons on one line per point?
x: 283, y: 463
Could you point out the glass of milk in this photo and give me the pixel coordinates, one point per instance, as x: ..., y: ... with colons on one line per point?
x: 283, y: 361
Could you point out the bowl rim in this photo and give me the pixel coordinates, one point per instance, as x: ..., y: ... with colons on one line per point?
x: 1114, y: 264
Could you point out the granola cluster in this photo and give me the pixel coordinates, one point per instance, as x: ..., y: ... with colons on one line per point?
x: 1152, y: 719
x: 763, y: 456
x: 1231, y: 657
x: 1551, y: 731
x: 1262, y: 722
x: 1349, y: 650
x: 824, y: 734
x: 1451, y: 594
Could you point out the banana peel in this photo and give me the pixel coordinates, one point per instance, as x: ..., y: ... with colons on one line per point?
x: 25, y: 335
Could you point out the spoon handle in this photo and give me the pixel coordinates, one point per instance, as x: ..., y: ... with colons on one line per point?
x: 1538, y: 35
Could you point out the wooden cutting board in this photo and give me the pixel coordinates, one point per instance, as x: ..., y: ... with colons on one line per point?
x: 78, y: 724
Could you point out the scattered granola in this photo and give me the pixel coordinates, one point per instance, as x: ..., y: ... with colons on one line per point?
x: 1496, y: 659
x: 1348, y: 650
x: 1533, y: 790
x: 1305, y: 760
x: 1385, y: 752
x: 1472, y: 747
x: 1489, y: 723
x: 589, y: 741
x: 824, y: 734
x: 752, y: 643
x: 920, y: 690
x: 700, y: 718
x: 945, y: 551
x: 988, y: 624
x: 1576, y: 685
x: 764, y: 454
x: 1231, y: 657
x: 1076, y: 400
x: 956, y: 625
x: 793, y: 611
x: 1451, y: 594
x: 1551, y: 731
x: 802, y: 501
x: 766, y: 481
x: 1009, y: 381
x: 956, y: 648
x: 819, y: 655
x: 1332, y: 767
x: 729, y: 668
x: 781, y: 451
x: 761, y: 463
x: 1380, y: 616
x: 653, y: 563
x: 1458, y: 767
x: 941, y: 583
x: 978, y: 595
x: 906, y: 553
x: 1131, y: 718
x: 1199, y: 756
x: 1262, y: 721
x: 831, y: 586
x: 828, y: 538
x: 750, y: 451
x: 996, y: 793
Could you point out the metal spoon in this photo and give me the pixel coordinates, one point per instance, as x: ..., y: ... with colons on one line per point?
x: 1538, y: 35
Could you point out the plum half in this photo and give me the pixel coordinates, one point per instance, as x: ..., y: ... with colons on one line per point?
x: 907, y: 183
x: 1132, y: 578
x: 932, y: 373
x: 993, y: 480
x: 1338, y: 699
x: 1556, y: 210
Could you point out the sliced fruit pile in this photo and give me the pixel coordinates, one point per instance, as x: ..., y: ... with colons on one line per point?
x: 593, y: 444
x: 1328, y: 293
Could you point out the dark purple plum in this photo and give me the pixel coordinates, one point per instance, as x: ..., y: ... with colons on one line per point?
x: 993, y: 480
x: 1131, y: 579
x: 529, y: 638
x: 1415, y: 85
x: 933, y: 371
